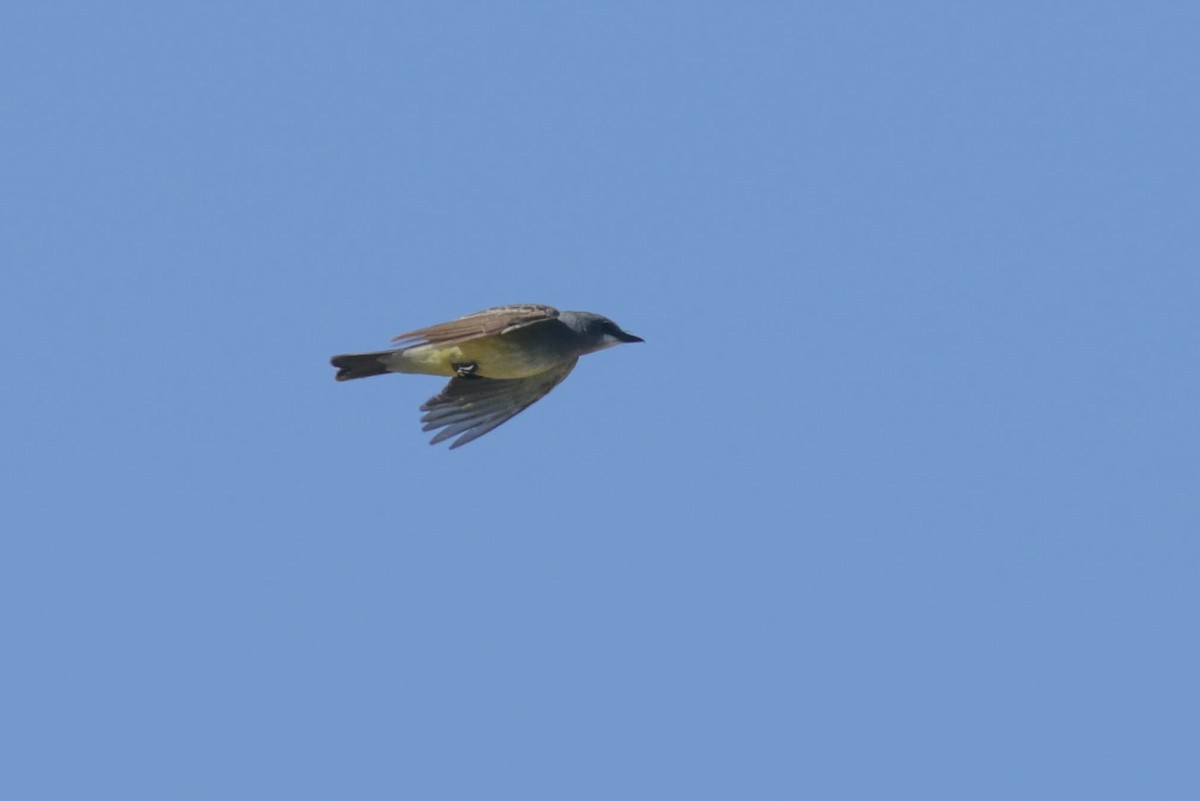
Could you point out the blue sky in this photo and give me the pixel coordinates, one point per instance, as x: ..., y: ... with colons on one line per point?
x: 898, y: 500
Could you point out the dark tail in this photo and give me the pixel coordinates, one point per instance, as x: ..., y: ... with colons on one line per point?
x: 358, y: 365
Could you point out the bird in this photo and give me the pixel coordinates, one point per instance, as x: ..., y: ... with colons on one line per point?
x: 500, y: 362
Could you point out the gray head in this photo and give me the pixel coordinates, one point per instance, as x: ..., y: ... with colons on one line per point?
x: 597, y: 331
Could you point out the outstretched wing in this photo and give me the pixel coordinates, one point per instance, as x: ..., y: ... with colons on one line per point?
x: 480, y: 324
x: 470, y: 407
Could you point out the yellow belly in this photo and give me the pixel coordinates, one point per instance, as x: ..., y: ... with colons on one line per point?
x: 495, y: 358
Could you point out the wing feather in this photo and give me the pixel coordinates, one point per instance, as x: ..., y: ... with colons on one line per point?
x: 498, y: 320
x: 471, y: 407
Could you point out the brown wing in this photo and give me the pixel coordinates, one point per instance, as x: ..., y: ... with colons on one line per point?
x: 480, y: 324
x: 471, y: 407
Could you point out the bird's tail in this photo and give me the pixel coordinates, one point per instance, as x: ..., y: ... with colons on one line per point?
x: 358, y: 365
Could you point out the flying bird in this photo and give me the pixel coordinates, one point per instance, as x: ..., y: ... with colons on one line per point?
x: 500, y: 361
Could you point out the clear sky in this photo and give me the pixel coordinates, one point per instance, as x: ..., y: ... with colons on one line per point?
x: 899, y: 500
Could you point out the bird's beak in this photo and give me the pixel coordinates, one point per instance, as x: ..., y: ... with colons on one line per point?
x: 627, y: 337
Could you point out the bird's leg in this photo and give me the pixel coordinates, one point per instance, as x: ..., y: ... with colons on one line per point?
x: 466, y: 369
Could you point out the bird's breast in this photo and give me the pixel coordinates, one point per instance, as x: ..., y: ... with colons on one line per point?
x: 495, y: 357
x: 505, y: 357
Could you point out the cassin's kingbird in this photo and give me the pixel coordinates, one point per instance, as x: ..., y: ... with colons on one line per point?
x: 501, y: 361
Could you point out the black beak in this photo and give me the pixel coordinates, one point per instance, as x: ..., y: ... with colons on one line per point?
x: 626, y: 337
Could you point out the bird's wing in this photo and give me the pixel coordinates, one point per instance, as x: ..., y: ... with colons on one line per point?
x: 488, y: 322
x: 470, y: 407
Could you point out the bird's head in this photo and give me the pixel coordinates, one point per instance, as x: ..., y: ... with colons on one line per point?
x: 598, y: 331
